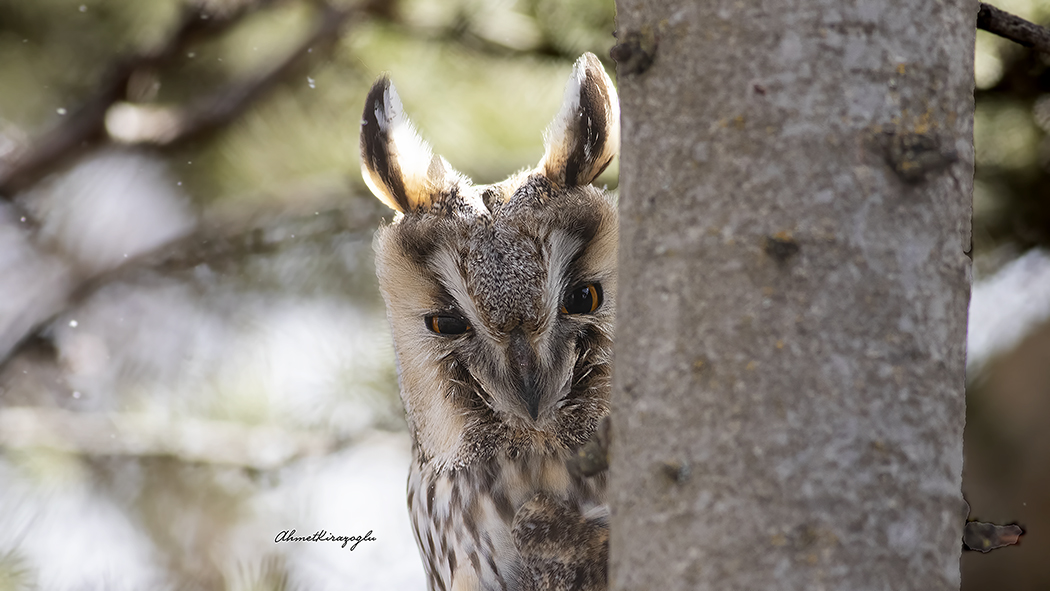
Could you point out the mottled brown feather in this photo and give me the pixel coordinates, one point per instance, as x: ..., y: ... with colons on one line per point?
x: 497, y: 413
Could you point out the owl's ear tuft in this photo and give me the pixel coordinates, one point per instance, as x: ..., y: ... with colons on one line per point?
x: 584, y: 137
x: 397, y: 165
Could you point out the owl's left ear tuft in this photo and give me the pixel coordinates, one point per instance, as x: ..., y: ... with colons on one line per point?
x: 397, y: 165
x: 585, y: 136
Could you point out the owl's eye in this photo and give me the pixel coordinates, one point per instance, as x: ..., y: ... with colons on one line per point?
x: 447, y: 325
x: 582, y: 299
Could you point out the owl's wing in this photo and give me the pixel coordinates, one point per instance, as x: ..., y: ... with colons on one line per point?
x: 561, y: 549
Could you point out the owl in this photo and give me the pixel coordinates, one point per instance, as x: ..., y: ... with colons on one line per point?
x: 501, y: 302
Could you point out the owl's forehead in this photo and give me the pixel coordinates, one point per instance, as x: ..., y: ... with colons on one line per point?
x: 504, y: 266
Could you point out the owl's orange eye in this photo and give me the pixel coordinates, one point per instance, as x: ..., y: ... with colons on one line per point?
x: 582, y: 299
x: 447, y: 325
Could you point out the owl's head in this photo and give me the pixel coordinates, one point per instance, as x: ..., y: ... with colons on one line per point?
x: 501, y: 297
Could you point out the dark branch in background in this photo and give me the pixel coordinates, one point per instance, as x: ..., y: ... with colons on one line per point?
x: 86, y: 128
x: 212, y: 112
x: 216, y: 245
x: 230, y: 241
x: 1014, y: 28
x: 87, y: 125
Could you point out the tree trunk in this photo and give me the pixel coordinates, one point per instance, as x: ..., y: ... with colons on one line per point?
x: 795, y: 219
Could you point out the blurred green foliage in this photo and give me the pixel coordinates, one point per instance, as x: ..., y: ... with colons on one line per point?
x: 481, y: 80
x: 1012, y: 192
x: 270, y: 318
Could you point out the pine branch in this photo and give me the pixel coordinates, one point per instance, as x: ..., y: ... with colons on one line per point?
x: 86, y: 128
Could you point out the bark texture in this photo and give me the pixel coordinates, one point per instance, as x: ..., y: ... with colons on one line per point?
x: 795, y: 217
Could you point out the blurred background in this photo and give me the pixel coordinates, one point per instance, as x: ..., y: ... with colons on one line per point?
x: 194, y: 356
x: 193, y: 353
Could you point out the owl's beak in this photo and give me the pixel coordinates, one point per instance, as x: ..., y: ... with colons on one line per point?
x: 524, y: 365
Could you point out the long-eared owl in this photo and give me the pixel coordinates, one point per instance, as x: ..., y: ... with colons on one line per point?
x: 501, y: 300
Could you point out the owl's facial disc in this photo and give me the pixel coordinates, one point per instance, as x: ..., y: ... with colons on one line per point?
x: 515, y: 303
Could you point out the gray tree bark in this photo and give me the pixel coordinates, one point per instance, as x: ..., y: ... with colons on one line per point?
x: 795, y: 186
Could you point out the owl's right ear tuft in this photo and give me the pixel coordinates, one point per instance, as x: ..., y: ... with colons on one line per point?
x: 397, y: 165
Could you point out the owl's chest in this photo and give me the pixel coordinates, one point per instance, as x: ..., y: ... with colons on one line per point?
x: 462, y: 517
